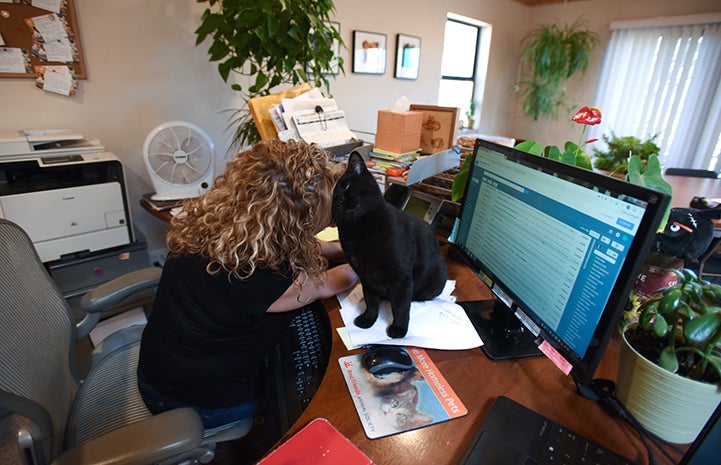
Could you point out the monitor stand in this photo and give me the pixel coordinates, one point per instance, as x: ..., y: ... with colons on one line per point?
x: 503, y: 335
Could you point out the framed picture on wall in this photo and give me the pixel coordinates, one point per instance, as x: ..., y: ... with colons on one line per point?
x: 369, y: 52
x: 439, y: 128
x: 335, y: 46
x: 408, y: 56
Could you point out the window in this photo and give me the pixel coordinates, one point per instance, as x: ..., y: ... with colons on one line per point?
x: 666, y: 80
x: 460, y: 63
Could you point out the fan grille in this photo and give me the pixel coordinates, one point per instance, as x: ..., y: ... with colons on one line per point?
x: 180, y: 155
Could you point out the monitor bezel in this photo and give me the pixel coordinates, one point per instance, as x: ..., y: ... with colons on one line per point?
x: 584, y: 368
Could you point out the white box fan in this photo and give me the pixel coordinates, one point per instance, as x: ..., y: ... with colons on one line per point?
x: 180, y: 158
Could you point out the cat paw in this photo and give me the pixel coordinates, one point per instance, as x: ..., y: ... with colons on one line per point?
x: 396, y: 332
x: 363, y: 322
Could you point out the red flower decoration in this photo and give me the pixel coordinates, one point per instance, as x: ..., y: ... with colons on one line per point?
x: 587, y: 115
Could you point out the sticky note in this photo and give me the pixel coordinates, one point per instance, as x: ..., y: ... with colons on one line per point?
x: 555, y: 357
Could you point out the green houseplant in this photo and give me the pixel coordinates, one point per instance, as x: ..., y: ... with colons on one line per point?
x: 471, y: 114
x: 669, y: 374
x: 614, y: 159
x: 551, y: 54
x: 271, y: 43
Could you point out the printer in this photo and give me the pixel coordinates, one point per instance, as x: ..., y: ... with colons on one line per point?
x: 65, y: 191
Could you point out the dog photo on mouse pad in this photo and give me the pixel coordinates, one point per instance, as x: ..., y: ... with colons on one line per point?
x: 395, y: 253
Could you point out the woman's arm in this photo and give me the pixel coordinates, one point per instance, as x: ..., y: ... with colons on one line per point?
x: 332, y: 251
x: 305, y: 289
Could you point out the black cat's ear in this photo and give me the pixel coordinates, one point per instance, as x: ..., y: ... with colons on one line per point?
x: 356, y: 163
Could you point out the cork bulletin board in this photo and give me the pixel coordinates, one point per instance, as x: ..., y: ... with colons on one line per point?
x: 15, y: 33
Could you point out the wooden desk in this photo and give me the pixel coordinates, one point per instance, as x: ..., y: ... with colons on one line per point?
x: 162, y: 215
x: 534, y: 382
x: 686, y: 188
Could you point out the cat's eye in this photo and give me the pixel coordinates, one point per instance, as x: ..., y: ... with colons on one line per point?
x: 395, y: 403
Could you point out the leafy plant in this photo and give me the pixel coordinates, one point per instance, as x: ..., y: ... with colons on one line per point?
x: 649, y: 175
x: 615, y: 158
x: 272, y: 42
x: 572, y: 154
x: 471, y: 112
x: 552, y: 54
x: 686, y: 317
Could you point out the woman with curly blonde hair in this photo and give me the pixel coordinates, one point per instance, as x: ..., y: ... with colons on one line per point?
x: 242, y: 257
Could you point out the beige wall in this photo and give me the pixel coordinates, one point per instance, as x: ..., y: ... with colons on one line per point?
x: 144, y: 69
x: 582, y: 91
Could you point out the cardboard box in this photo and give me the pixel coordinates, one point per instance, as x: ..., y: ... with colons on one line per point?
x: 399, y: 131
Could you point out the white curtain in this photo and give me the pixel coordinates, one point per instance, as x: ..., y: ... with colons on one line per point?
x: 665, y: 80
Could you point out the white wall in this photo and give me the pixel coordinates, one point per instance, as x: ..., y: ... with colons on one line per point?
x: 144, y: 69
x: 363, y: 95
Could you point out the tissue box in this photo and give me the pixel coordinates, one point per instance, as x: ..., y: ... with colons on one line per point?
x: 399, y: 132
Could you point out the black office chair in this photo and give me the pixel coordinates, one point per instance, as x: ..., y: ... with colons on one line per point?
x: 53, y: 417
x: 695, y: 173
x: 709, y: 264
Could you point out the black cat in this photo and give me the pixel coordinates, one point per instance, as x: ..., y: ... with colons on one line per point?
x: 395, y: 254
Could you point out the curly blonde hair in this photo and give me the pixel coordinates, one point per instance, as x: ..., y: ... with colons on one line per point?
x: 262, y: 212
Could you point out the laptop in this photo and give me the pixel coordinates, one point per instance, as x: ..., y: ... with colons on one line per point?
x: 512, y: 434
x: 706, y: 449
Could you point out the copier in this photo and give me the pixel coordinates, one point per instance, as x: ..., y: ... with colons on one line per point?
x: 65, y: 191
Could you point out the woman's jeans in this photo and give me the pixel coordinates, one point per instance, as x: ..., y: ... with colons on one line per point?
x: 158, y: 403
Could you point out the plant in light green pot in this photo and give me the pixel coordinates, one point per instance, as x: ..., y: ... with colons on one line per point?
x: 669, y: 375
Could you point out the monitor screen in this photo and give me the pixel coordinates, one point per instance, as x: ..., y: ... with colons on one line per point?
x: 559, y: 246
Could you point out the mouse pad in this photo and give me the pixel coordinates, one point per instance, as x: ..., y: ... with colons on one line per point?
x: 397, y: 402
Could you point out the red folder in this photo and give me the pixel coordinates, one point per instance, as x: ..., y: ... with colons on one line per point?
x: 318, y: 443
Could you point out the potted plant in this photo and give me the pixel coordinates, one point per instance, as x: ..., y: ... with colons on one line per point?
x: 614, y: 159
x: 270, y: 42
x: 552, y: 54
x: 669, y: 375
x: 471, y: 114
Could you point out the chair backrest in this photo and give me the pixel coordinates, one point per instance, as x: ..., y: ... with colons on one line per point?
x: 694, y: 173
x: 37, y: 340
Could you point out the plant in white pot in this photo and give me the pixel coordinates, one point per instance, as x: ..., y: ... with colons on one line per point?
x: 669, y: 375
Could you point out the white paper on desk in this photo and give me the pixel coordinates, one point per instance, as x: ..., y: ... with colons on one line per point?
x: 435, y: 324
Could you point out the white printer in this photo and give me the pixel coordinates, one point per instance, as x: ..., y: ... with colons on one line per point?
x: 65, y: 191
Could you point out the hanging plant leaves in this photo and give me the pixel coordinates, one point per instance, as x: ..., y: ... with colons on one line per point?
x: 553, y: 54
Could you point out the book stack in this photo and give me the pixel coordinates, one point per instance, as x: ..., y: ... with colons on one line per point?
x: 390, y: 155
x: 160, y: 205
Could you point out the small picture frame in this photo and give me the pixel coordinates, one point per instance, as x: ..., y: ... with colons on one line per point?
x: 335, y: 46
x: 439, y: 127
x: 408, y: 56
x: 369, y: 52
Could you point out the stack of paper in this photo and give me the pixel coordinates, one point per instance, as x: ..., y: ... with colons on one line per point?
x: 312, y: 118
x: 435, y: 324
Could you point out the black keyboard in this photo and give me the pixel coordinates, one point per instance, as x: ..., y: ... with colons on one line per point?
x: 297, y: 366
x: 514, y: 434
x: 563, y: 446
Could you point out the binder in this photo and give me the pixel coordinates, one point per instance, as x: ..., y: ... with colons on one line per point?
x: 318, y: 443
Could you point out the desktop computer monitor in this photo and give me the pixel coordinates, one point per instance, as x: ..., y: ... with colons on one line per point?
x: 559, y: 246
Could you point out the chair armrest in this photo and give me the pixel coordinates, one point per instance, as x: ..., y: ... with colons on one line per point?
x: 108, y: 295
x: 159, y: 437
